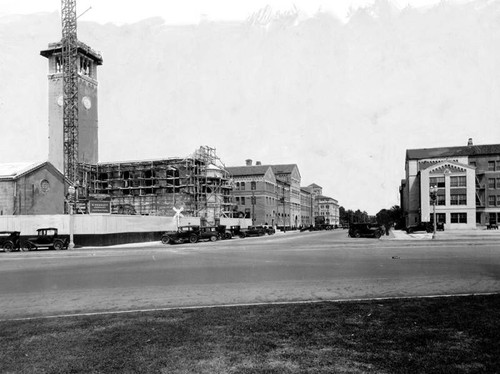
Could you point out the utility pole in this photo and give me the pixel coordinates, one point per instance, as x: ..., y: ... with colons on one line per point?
x: 70, y: 88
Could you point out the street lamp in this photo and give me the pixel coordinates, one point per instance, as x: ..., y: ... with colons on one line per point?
x: 433, y: 196
x: 71, y: 192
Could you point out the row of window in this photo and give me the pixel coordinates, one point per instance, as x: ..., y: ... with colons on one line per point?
x: 455, y: 181
x: 455, y: 199
x: 454, y: 217
x: 493, y: 183
x: 494, y: 200
x: 492, y: 165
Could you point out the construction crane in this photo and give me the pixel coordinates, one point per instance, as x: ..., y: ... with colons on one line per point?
x: 70, y: 88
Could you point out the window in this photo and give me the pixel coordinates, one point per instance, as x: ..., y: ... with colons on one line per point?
x: 440, y: 218
x: 253, y: 185
x: 237, y: 185
x: 472, y: 163
x: 491, y: 165
x: 491, y: 200
x: 491, y: 183
x: 498, y: 182
x: 441, y: 200
x: 436, y: 181
x: 458, y: 199
x: 458, y: 217
x: 498, y: 200
x: 460, y: 181
x: 242, y: 200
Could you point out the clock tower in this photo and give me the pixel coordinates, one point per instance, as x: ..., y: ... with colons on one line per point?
x: 87, y: 62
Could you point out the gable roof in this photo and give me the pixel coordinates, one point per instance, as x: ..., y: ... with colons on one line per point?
x: 472, y: 150
x: 15, y: 170
x: 241, y: 171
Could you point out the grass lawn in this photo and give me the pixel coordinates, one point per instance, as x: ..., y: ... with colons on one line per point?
x: 439, y: 335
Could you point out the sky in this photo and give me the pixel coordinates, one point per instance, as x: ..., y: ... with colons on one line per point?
x: 341, y: 88
x: 190, y: 11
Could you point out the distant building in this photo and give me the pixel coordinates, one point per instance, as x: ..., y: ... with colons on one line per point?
x: 325, y: 209
x: 467, y: 180
x: 267, y: 193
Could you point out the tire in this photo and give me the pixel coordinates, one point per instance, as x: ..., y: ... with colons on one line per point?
x: 357, y: 235
x: 213, y: 238
x: 26, y: 247
x: 378, y: 235
x: 58, y: 245
x: 228, y: 235
x: 165, y: 239
x: 193, y: 239
x: 242, y: 236
x: 8, y: 247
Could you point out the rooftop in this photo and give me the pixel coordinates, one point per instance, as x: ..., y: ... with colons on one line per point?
x: 468, y: 150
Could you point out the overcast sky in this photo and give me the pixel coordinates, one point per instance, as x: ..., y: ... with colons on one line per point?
x: 341, y: 88
x: 191, y: 11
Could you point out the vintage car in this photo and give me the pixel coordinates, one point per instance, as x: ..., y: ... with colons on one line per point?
x: 365, y: 230
x: 269, y: 230
x: 9, y: 240
x: 252, y: 231
x: 192, y: 234
x: 425, y: 226
x: 47, y: 237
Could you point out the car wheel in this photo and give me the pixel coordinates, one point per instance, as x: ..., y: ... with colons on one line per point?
x: 213, y: 238
x: 357, y: 235
x: 58, y: 245
x: 8, y: 247
x: 193, y: 239
x: 165, y: 239
x: 228, y: 235
x: 25, y: 247
x: 242, y: 236
x: 378, y: 235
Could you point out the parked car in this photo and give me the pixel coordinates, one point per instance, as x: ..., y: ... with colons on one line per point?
x: 235, y: 230
x: 211, y: 233
x: 252, y: 231
x: 365, y: 230
x: 9, y: 240
x: 192, y: 234
x: 47, y: 237
x: 421, y: 226
x: 269, y: 230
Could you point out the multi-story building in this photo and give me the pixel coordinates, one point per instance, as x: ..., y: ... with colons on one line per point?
x: 325, y: 209
x: 306, y: 207
x: 466, y: 181
x: 269, y: 194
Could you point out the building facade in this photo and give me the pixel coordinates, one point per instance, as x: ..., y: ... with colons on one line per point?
x: 269, y: 194
x: 466, y: 181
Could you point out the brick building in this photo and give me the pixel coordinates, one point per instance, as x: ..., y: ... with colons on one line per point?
x: 269, y: 194
x: 467, y: 180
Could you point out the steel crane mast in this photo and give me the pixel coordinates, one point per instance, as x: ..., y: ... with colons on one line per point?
x: 70, y: 88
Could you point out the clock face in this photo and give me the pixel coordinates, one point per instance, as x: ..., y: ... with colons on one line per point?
x: 86, y: 102
x: 60, y: 100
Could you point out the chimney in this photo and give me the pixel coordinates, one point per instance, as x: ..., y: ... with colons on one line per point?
x: 249, y: 162
x: 258, y: 163
x: 469, y: 143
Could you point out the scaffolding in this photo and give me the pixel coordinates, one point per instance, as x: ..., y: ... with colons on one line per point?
x: 198, y: 183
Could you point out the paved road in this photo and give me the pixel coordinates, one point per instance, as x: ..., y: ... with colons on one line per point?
x: 284, y: 267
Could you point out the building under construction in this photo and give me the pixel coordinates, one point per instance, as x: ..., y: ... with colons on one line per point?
x: 199, y: 184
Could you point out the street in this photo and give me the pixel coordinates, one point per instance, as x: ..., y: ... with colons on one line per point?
x: 308, y: 266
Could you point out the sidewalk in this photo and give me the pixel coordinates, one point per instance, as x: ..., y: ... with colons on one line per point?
x: 446, y: 235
